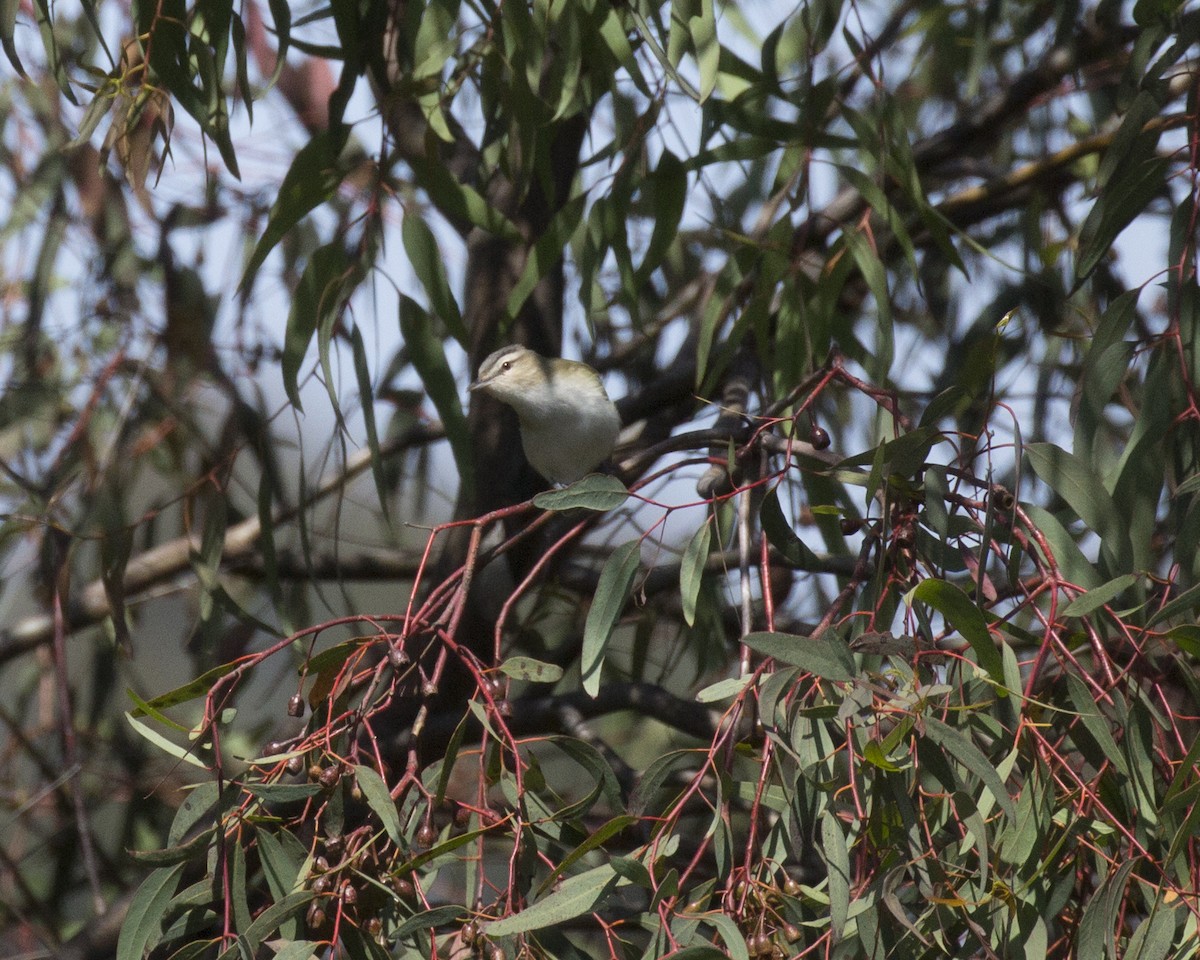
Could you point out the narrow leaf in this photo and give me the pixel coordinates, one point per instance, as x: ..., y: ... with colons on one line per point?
x: 960, y: 747
x: 430, y: 268
x: 575, y: 896
x: 691, y: 570
x: 429, y: 358
x: 379, y: 798
x: 142, y: 926
x: 837, y: 863
x: 1078, y: 484
x: 826, y: 656
x: 781, y: 535
x: 314, y: 175
x: 616, y: 583
x: 1084, y: 604
x: 961, y: 613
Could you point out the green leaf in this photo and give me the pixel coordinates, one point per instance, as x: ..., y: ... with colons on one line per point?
x: 267, y: 922
x: 431, y: 919
x: 285, y: 862
x: 312, y: 179
x: 668, y: 195
x: 200, y: 805
x: 1131, y: 175
x: 1077, y: 483
x: 612, y: 592
x: 8, y: 22
x: 430, y: 268
x: 172, y: 749
x: 826, y: 656
x: 691, y: 571
x: 527, y: 668
x: 1068, y: 558
x: 459, y: 203
x: 596, y: 839
x: 730, y: 933
x: 1084, y: 604
x: 708, y: 50
x: 1095, y: 740
x: 366, y: 394
x: 282, y: 792
x: 167, y: 856
x: 300, y: 950
x: 574, y: 897
x: 837, y: 863
x: 1155, y: 936
x: 959, y: 747
x: 379, y: 799
x: 781, y: 535
x: 723, y: 689
x: 668, y: 59
x: 596, y: 492
x: 961, y: 613
x: 547, y: 252
x: 281, y: 13
x: 142, y: 926
x: 325, y: 286
x: 54, y: 57
x: 428, y: 355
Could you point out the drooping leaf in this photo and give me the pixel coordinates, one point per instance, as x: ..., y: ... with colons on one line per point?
x: 1076, y: 482
x: 376, y: 793
x: 691, y: 571
x: 315, y: 173
x: 427, y: 351
x: 612, y: 592
x: 325, y: 287
x: 965, y: 617
x: 143, y: 923
x: 429, y: 266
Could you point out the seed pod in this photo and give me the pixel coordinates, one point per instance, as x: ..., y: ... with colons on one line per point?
x: 330, y: 776
x: 403, y: 887
x: 820, y: 438
x: 295, y: 707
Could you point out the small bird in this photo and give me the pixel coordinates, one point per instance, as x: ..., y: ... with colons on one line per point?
x: 568, y: 423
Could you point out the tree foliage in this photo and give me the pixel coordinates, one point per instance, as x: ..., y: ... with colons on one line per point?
x: 879, y: 640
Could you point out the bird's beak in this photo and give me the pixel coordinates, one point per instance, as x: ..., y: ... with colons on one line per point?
x: 476, y: 385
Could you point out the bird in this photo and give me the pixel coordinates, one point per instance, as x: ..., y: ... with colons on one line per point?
x: 569, y: 425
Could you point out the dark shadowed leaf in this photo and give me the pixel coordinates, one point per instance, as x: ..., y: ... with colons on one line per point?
x: 311, y: 180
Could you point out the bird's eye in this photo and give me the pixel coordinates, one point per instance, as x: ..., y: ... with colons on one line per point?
x: 506, y: 365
